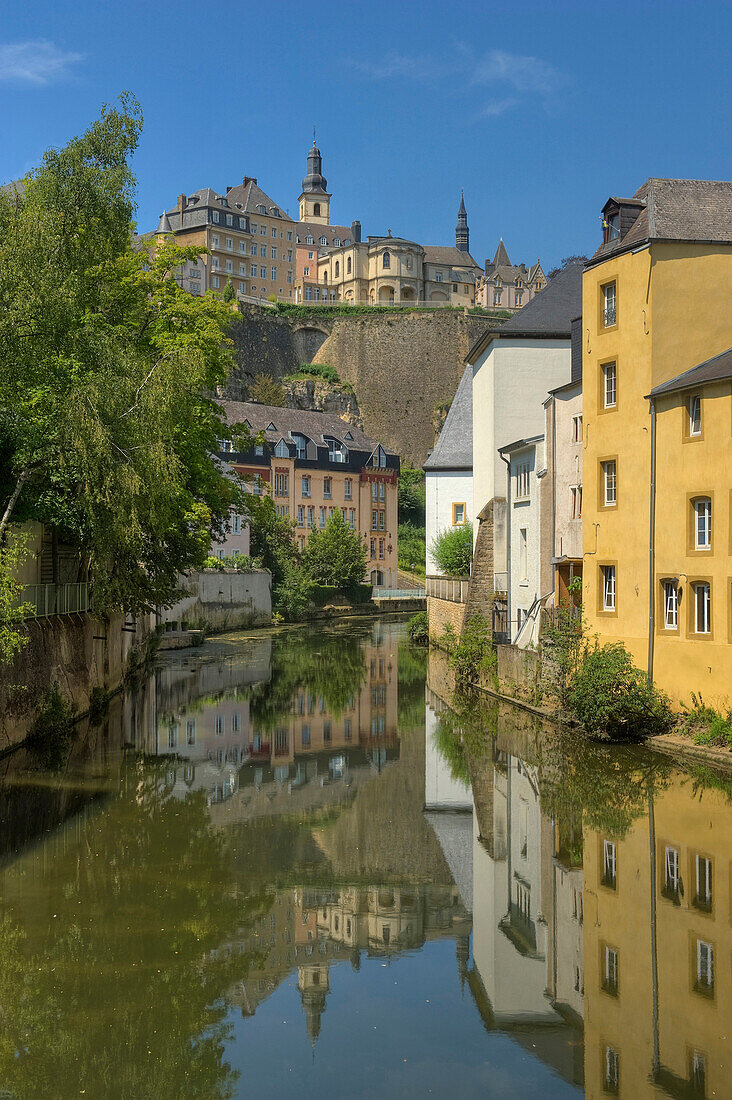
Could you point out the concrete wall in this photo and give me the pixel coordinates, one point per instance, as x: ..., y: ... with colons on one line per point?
x: 224, y: 600
x: 444, y: 488
x: 78, y: 652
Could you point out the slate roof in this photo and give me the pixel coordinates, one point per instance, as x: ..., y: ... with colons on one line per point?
x: 552, y: 310
x: 677, y: 210
x: 251, y: 196
x: 312, y: 424
x: 199, y: 202
x: 448, y: 254
x: 454, y: 448
x: 713, y: 370
x: 502, y: 267
x: 317, y: 231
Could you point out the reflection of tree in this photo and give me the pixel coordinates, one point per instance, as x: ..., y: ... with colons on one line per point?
x: 465, y: 736
x: 329, y: 664
x: 110, y: 983
x: 412, y: 674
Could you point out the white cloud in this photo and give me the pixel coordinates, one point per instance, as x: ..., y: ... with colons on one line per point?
x: 495, y: 107
x: 524, y: 74
x: 401, y: 65
x: 36, y: 62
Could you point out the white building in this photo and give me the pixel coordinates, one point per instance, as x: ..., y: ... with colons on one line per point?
x: 527, y: 468
x: 514, y: 369
x: 449, y: 470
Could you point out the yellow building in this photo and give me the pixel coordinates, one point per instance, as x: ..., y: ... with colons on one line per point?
x: 656, y: 501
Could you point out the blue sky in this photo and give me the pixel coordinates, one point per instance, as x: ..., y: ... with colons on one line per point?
x: 538, y: 110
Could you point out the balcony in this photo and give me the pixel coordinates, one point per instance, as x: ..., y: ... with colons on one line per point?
x: 453, y: 589
x: 43, y: 600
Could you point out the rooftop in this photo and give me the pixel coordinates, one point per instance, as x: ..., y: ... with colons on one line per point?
x: 315, y: 425
x: 454, y: 448
x: 713, y: 370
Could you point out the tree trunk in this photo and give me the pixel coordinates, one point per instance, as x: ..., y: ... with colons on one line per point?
x: 22, y: 478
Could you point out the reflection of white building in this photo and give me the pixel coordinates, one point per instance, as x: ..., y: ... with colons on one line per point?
x: 449, y: 470
x: 442, y: 790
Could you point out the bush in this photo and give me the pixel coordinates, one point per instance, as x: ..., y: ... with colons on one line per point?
x: 452, y: 550
x: 473, y: 653
x: 241, y: 562
x: 316, y: 370
x: 336, y: 555
x: 707, y: 725
x: 611, y: 698
x: 411, y: 547
x: 418, y: 628
x: 266, y: 391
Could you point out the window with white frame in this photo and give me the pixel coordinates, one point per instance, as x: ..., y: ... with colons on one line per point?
x: 695, y: 415
x: 704, y: 967
x: 311, y: 515
x: 698, y: 1073
x: 611, y: 1078
x: 220, y: 725
x: 523, y: 556
x: 322, y: 518
x: 576, y: 502
x: 282, y: 450
x: 274, y: 274
x: 230, y: 244
x: 327, y: 487
x: 608, y: 587
x: 610, y: 980
x: 229, y: 266
x: 702, y: 523
x: 610, y: 483
x: 703, y: 870
x: 458, y: 513
x: 670, y: 605
x: 301, y: 515
x: 609, y: 305
x: 577, y: 429
x: 306, y: 485
x: 609, y: 863
x: 274, y: 252
x: 671, y: 872
x: 522, y: 480
x: 191, y: 731
x: 610, y: 385
x: 348, y: 488
x: 702, y: 607
x: 214, y: 281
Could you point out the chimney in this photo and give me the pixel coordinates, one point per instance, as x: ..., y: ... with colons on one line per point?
x: 247, y: 180
x: 356, y: 231
x: 182, y: 203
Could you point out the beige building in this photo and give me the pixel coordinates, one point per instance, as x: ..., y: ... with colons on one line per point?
x: 314, y: 463
x: 503, y: 285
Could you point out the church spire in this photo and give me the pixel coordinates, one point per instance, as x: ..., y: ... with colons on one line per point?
x: 462, y: 233
x: 314, y: 198
x: 314, y: 180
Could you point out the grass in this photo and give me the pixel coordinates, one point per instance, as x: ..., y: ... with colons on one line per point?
x: 708, y: 726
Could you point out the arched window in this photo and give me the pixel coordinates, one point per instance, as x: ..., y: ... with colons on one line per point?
x: 337, y: 269
x: 386, y: 260
x: 325, y: 277
x: 309, y: 239
x: 316, y: 210
x: 348, y: 266
x: 377, y: 578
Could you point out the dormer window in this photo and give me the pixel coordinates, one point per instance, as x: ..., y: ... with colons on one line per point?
x: 282, y: 450
x: 323, y: 240
x: 611, y: 226
x: 301, y: 444
x: 336, y: 450
x: 309, y: 239
x: 378, y: 458
x: 349, y: 436
x: 337, y: 242
x: 262, y: 209
x: 271, y: 427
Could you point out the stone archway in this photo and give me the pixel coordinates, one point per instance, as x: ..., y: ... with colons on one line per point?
x: 308, y: 340
x: 386, y: 294
x: 407, y: 294
x: 438, y: 296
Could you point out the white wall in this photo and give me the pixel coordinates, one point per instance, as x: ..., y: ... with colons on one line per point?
x: 526, y: 515
x: 443, y: 489
x: 567, y: 471
x: 511, y: 379
x: 441, y: 790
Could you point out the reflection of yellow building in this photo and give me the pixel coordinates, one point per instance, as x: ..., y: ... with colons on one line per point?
x: 655, y: 305
x: 657, y: 982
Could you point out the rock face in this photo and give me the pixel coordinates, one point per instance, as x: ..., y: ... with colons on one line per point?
x: 320, y: 396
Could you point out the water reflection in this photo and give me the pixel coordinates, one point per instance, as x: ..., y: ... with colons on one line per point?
x: 275, y: 870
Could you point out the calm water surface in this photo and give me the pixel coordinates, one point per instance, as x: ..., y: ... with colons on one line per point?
x: 297, y: 866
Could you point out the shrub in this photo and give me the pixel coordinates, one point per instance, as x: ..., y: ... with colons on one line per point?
x: 241, y: 562
x: 473, y: 653
x: 266, y: 390
x: 411, y: 544
x: 316, y: 370
x: 452, y: 550
x: 418, y: 628
x: 611, y: 698
x: 707, y: 725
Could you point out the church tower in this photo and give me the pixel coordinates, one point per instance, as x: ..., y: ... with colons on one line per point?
x: 462, y: 233
x: 314, y: 199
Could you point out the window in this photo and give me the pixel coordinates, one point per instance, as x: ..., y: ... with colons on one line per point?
x: 702, y: 607
x: 577, y: 429
x: 274, y: 274
x: 610, y: 978
x: 670, y: 605
x: 386, y: 261
x: 337, y: 269
x: 578, y: 910
x: 704, y: 968
x: 282, y: 485
x: 173, y: 737
x: 306, y: 491
x: 230, y: 244
x: 229, y: 219
x: 458, y: 514
x: 191, y: 731
x: 263, y: 273
x: 382, y: 490
x: 523, y: 556
x: 301, y: 515
x: 382, y: 520
x: 311, y: 515
x: 229, y: 266
x: 695, y: 421
x: 348, y: 488
x: 273, y: 253
x: 305, y: 735
x: 309, y: 239
x: 236, y: 723
x: 381, y: 548
x: 438, y: 276
x: 322, y: 518
x: 336, y: 451
x: 352, y: 519
x: 454, y: 288
x: 519, y: 297
x: 327, y: 487
x: 609, y: 864
x: 608, y: 587
x: 372, y: 547
x: 522, y: 481
x: 263, y: 230
x: 609, y: 305
x: 611, y: 1077
x: 698, y: 1073
x: 242, y: 269
x: 374, y: 520
x: 242, y: 246
x: 215, y: 241
x: 703, y: 896
x: 348, y: 266
x: 702, y: 523
x: 576, y: 502
x: 610, y: 385
x: 219, y: 725
x: 671, y: 874
x: 301, y: 444
x: 374, y: 491
x: 610, y: 483
x: 263, y: 251
x: 216, y: 216
x: 323, y: 240
x: 496, y: 297
x: 214, y: 280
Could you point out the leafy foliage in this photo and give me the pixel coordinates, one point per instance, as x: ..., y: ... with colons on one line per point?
x: 272, y: 542
x: 411, y: 548
x: 335, y: 555
x: 612, y: 698
x: 266, y: 390
x: 106, y: 432
x: 316, y: 370
x: 12, y: 610
x: 452, y: 550
x: 418, y: 628
x: 412, y: 496
x: 241, y: 562
x: 473, y: 652
x: 708, y: 726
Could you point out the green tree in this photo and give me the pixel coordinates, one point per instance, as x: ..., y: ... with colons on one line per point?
x: 336, y: 555
x: 266, y: 390
x: 229, y: 294
x: 106, y: 432
x: 412, y: 496
x: 272, y: 541
x: 452, y: 550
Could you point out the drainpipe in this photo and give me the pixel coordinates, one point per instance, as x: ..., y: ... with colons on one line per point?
x: 508, y: 540
x: 652, y: 547
x: 654, y: 938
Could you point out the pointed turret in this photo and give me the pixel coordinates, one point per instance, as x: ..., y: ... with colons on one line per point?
x: 501, y: 257
x: 164, y: 225
x: 314, y: 197
x: 462, y: 233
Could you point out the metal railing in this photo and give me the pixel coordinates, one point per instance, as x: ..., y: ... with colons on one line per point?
x: 42, y: 600
x: 454, y: 589
x: 399, y: 593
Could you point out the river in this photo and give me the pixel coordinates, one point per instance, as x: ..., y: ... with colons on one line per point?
x: 295, y: 864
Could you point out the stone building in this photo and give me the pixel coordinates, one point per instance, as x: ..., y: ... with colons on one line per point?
x: 503, y: 285
x: 314, y: 463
